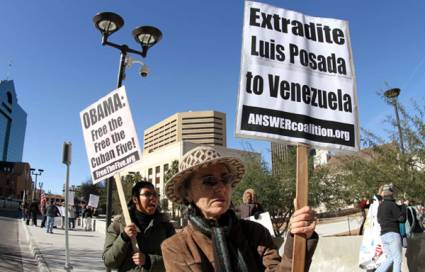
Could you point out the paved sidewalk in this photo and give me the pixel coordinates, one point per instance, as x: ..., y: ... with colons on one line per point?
x: 49, y: 249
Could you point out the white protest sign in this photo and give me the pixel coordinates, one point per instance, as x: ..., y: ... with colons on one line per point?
x: 265, y: 220
x: 109, y: 134
x: 93, y: 201
x: 61, y: 210
x: 71, y: 195
x: 297, y: 81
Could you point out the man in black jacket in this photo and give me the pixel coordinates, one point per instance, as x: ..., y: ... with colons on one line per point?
x: 390, y: 215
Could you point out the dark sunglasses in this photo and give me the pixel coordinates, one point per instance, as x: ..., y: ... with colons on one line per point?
x: 212, y: 181
x: 150, y: 194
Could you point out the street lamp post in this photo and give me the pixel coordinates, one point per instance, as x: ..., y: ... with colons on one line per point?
x: 36, y: 174
x: 147, y: 36
x: 392, y: 95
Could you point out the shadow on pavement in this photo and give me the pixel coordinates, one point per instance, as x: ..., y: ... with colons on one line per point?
x: 12, y: 260
x: 78, y: 258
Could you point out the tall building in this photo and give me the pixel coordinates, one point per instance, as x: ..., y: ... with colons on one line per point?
x: 201, y: 127
x: 279, y: 153
x: 13, y: 123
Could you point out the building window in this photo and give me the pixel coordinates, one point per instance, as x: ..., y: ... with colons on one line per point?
x: 150, y: 174
x: 157, y: 174
x: 9, y: 98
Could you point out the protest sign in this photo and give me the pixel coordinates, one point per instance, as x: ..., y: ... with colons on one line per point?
x: 265, y: 220
x: 61, y: 210
x: 71, y: 196
x: 93, y: 201
x: 109, y: 135
x: 371, y: 253
x: 297, y: 81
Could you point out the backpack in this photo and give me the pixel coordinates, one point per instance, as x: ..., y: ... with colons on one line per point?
x: 412, y: 223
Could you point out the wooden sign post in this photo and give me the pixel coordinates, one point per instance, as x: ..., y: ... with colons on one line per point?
x: 301, y: 200
x: 124, y: 208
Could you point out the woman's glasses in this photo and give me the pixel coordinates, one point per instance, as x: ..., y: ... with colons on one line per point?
x: 211, y: 181
x: 150, y: 194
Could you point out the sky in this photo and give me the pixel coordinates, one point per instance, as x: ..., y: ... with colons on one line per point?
x: 53, y: 52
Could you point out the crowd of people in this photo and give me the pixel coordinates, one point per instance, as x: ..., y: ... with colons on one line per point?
x: 215, y: 238
x: 53, y: 215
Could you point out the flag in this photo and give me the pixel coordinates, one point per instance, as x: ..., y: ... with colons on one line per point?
x: 42, y: 199
x: 378, y: 250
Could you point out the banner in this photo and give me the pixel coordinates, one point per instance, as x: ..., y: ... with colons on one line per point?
x: 297, y: 81
x: 265, y: 220
x: 93, y: 201
x: 71, y: 196
x: 61, y: 210
x: 371, y: 254
x: 109, y: 135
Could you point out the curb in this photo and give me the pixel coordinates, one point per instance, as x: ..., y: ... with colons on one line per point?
x: 42, y: 265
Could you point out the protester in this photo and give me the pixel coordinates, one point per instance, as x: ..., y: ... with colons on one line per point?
x: 25, y: 211
x: 412, y: 224
x: 52, y: 211
x: 249, y: 206
x: 87, y: 215
x: 71, y: 213
x: 82, y: 210
x: 215, y: 239
x: 150, y: 228
x: 390, y: 215
x: 62, y: 210
x: 33, y: 212
x: 43, y: 209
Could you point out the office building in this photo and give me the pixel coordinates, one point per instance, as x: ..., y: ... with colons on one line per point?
x: 201, y: 127
x: 13, y: 122
x: 280, y: 153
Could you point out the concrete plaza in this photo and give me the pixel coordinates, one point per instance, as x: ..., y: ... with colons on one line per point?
x: 85, y: 249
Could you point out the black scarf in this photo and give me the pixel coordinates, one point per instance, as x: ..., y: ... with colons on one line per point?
x: 225, y: 253
x: 141, y: 220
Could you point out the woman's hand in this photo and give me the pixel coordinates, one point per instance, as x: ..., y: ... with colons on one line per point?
x: 139, y: 258
x: 131, y: 231
x: 303, y: 222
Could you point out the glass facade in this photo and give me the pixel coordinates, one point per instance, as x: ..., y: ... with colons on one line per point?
x: 13, y: 123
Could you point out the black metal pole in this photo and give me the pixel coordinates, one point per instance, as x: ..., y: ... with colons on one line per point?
x: 110, y: 182
x: 121, y: 71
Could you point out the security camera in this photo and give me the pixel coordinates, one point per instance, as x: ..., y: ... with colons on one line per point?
x: 144, y: 71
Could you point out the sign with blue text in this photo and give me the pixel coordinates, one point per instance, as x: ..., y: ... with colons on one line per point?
x: 109, y: 134
x: 297, y: 80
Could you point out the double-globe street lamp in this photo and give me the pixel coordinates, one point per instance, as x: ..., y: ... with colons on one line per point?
x: 392, y: 95
x: 36, y: 174
x: 147, y: 36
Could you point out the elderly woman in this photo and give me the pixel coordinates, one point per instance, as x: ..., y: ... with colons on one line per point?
x: 150, y: 228
x: 249, y: 206
x: 215, y: 240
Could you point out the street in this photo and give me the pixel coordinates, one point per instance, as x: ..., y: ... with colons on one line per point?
x: 14, y: 250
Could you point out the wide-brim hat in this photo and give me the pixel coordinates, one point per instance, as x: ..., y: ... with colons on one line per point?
x: 195, y: 159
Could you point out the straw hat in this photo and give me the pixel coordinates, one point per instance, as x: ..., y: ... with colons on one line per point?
x: 200, y: 157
